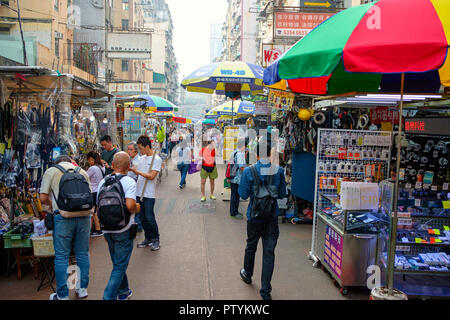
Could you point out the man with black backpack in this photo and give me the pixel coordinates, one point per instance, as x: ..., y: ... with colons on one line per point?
x: 116, y: 210
x: 264, y: 183
x: 66, y: 189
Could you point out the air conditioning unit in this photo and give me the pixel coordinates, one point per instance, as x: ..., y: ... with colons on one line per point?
x: 58, y: 35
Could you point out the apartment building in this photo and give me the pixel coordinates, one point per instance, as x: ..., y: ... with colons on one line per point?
x: 47, y: 36
x: 165, y: 68
x: 128, y: 76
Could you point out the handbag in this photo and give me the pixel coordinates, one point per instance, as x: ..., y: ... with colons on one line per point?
x: 49, y: 222
x: 193, y: 167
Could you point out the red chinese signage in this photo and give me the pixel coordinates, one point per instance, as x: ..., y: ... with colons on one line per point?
x: 297, y: 24
x: 437, y: 126
x: 383, y: 114
x: 415, y: 125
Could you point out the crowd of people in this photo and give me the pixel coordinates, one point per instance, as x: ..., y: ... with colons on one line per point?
x: 115, y: 198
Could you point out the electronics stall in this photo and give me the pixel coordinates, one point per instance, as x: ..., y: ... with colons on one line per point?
x: 347, y: 222
x: 422, y: 252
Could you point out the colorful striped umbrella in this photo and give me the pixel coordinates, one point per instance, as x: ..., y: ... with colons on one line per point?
x: 213, y: 77
x: 155, y: 103
x: 239, y: 107
x: 366, y: 48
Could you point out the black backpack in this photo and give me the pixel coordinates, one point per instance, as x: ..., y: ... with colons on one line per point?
x: 265, y: 196
x: 74, y: 192
x: 112, y: 211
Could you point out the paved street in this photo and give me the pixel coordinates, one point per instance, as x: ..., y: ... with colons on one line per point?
x: 201, y: 254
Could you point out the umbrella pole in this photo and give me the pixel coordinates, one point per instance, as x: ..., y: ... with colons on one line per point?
x: 393, y: 237
x: 232, y: 111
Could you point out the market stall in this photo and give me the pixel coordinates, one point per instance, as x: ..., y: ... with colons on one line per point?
x: 44, y: 114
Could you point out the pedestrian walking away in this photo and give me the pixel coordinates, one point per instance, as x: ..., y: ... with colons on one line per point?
x: 66, y: 189
x: 264, y: 183
x: 133, y: 152
x: 237, y: 166
x: 209, y: 169
x: 183, y: 153
x: 96, y: 174
x: 147, y: 170
x: 108, y: 153
x: 117, y: 209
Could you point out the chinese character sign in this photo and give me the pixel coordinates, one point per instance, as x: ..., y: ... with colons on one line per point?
x: 334, y: 243
x: 383, y: 114
x: 297, y: 24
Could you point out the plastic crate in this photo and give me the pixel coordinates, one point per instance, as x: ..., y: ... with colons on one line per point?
x: 15, y: 241
x: 43, y: 246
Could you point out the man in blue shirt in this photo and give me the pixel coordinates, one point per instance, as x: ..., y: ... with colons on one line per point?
x: 239, y: 161
x: 256, y: 228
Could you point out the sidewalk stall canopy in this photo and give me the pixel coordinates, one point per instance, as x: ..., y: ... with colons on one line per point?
x: 43, y: 114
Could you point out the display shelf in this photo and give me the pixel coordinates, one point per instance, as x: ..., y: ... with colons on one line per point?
x: 413, y: 244
x: 421, y: 272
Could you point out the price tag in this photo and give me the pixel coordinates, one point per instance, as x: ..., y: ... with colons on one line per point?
x: 431, y: 231
x: 418, y: 185
x: 446, y: 228
x: 417, y: 202
x: 446, y: 204
x: 437, y: 232
x: 445, y: 186
x: 418, y: 240
x: 434, y: 188
x: 426, y: 186
x: 408, y: 186
x: 438, y: 240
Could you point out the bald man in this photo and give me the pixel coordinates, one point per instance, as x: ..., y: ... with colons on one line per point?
x: 120, y: 242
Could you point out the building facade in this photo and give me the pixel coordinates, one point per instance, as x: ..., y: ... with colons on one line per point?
x: 165, y: 68
x: 48, y: 38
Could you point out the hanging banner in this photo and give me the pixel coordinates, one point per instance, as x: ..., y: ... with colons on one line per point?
x: 280, y: 99
x: 262, y: 108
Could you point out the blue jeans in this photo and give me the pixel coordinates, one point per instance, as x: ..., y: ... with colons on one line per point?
x: 183, y: 167
x: 148, y: 219
x: 71, y: 234
x: 120, y: 249
x: 269, y: 233
x: 137, y: 220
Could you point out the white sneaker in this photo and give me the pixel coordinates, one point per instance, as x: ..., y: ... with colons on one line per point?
x: 81, y: 293
x: 54, y: 296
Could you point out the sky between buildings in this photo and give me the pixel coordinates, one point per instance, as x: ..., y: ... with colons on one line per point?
x: 191, y: 39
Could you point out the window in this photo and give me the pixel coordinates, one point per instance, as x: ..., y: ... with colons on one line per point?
x: 4, y: 30
x: 124, y: 24
x: 125, y: 5
x: 57, y: 47
x: 56, y: 2
x: 69, y: 50
x: 4, y: 2
x: 124, y: 65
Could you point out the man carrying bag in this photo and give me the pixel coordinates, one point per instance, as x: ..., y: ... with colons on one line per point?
x: 147, y: 170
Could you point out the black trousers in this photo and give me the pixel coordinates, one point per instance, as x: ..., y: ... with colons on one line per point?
x: 268, y: 231
x: 234, y: 200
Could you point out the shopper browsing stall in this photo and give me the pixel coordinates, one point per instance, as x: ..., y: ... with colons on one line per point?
x: 71, y: 221
x: 120, y: 242
x: 96, y: 174
x: 108, y: 153
x: 236, y: 169
x: 147, y: 171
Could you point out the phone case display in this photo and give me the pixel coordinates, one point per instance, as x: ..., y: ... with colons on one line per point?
x: 423, y: 229
x: 424, y: 159
x: 348, y: 155
x: 346, y: 222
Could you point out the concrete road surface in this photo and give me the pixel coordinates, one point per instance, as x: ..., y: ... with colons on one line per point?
x: 201, y: 253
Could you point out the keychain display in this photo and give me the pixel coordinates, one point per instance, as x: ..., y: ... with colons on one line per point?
x: 425, y: 153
